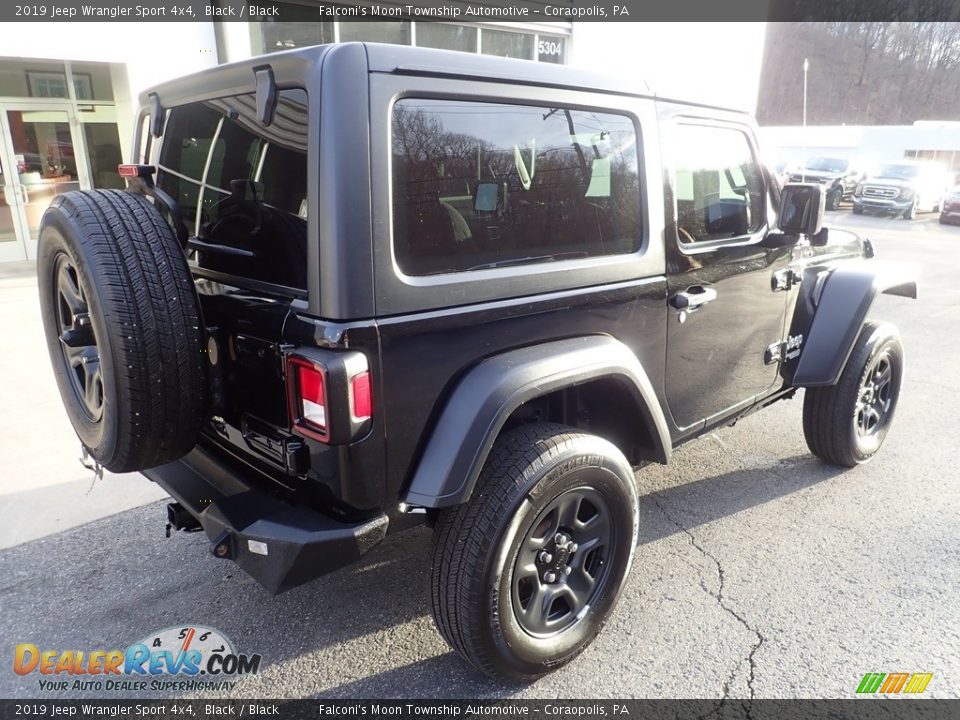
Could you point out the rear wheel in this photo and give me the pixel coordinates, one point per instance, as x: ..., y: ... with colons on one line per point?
x: 525, y: 574
x: 846, y: 424
x: 123, y: 328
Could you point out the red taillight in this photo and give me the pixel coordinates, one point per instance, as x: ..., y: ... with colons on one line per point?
x: 311, y: 395
x: 330, y: 395
x: 129, y: 171
x: 362, y: 400
x: 308, y: 397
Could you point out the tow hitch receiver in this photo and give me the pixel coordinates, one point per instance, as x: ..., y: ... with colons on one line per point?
x: 178, y: 518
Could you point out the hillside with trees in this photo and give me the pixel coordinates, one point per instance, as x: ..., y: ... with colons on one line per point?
x: 860, y: 73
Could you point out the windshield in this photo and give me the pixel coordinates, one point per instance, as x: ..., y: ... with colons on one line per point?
x: 899, y: 172
x: 825, y: 164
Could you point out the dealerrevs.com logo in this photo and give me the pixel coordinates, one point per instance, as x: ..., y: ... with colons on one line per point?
x: 179, y: 658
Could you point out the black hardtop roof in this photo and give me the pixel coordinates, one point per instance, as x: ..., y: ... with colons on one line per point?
x: 426, y: 61
x: 403, y: 59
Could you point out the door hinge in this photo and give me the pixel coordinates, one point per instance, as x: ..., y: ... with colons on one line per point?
x: 784, y: 280
x: 773, y: 353
x: 783, y: 350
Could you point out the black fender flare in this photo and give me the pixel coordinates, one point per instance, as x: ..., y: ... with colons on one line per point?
x: 840, y: 300
x: 487, y: 395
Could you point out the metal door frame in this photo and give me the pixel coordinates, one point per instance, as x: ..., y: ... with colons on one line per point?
x: 28, y: 245
x: 15, y: 250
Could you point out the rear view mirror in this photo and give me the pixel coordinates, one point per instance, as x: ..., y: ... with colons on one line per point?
x: 486, y: 199
x: 801, y: 208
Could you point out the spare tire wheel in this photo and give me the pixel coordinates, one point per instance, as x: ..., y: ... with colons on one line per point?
x: 123, y: 327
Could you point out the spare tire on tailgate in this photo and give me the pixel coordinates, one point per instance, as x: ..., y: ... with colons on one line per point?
x: 123, y: 327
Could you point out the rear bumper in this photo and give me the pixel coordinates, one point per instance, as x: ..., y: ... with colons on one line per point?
x: 278, y: 544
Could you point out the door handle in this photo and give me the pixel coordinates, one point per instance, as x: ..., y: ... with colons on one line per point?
x: 693, y: 297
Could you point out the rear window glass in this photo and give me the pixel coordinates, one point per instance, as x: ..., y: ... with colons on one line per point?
x: 480, y: 185
x: 241, y: 186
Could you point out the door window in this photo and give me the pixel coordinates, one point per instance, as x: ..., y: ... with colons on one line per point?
x: 480, y: 185
x: 718, y: 184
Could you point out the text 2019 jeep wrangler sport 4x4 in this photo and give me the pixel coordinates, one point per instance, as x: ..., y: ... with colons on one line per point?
x: 356, y: 287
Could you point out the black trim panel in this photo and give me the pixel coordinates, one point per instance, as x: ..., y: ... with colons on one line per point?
x: 842, y: 306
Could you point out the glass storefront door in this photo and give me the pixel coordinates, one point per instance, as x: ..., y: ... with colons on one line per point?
x: 11, y: 248
x: 41, y: 159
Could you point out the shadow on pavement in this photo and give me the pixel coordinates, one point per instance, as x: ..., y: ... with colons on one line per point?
x: 113, y: 581
x: 713, y: 498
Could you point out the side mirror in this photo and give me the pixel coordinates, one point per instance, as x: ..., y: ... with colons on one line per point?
x: 801, y: 208
x: 486, y: 198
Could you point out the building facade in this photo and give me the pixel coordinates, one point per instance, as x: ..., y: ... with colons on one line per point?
x: 866, y: 146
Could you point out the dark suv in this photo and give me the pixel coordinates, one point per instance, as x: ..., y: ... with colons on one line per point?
x: 838, y: 177
x: 353, y: 288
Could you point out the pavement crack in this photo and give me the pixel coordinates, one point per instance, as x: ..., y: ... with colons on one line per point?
x: 722, y: 602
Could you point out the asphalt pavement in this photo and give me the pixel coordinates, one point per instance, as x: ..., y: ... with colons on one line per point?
x: 760, y: 572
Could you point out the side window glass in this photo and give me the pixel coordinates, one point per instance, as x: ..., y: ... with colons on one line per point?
x: 483, y: 185
x: 241, y: 185
x: 183, y: 155
x: 718, y: 184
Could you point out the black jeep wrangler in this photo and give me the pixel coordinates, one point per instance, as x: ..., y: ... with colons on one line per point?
x: 356, y: 287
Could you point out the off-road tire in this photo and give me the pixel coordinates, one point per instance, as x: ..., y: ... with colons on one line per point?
x: 834, y: 198
x: 111, y: 255
x: 830, y: 415
x: 529, y: 471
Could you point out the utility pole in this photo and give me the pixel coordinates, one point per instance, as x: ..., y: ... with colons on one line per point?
x: 806, y: 67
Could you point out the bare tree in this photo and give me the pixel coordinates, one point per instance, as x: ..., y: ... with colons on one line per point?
x: 871, y: 73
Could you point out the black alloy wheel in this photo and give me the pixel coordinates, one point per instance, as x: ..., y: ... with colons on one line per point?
x: 78, y: 340
x: 875, y: 396
x: 562, y: 563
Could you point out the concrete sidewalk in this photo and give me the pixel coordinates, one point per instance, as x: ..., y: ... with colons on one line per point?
x: 43, y: 487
